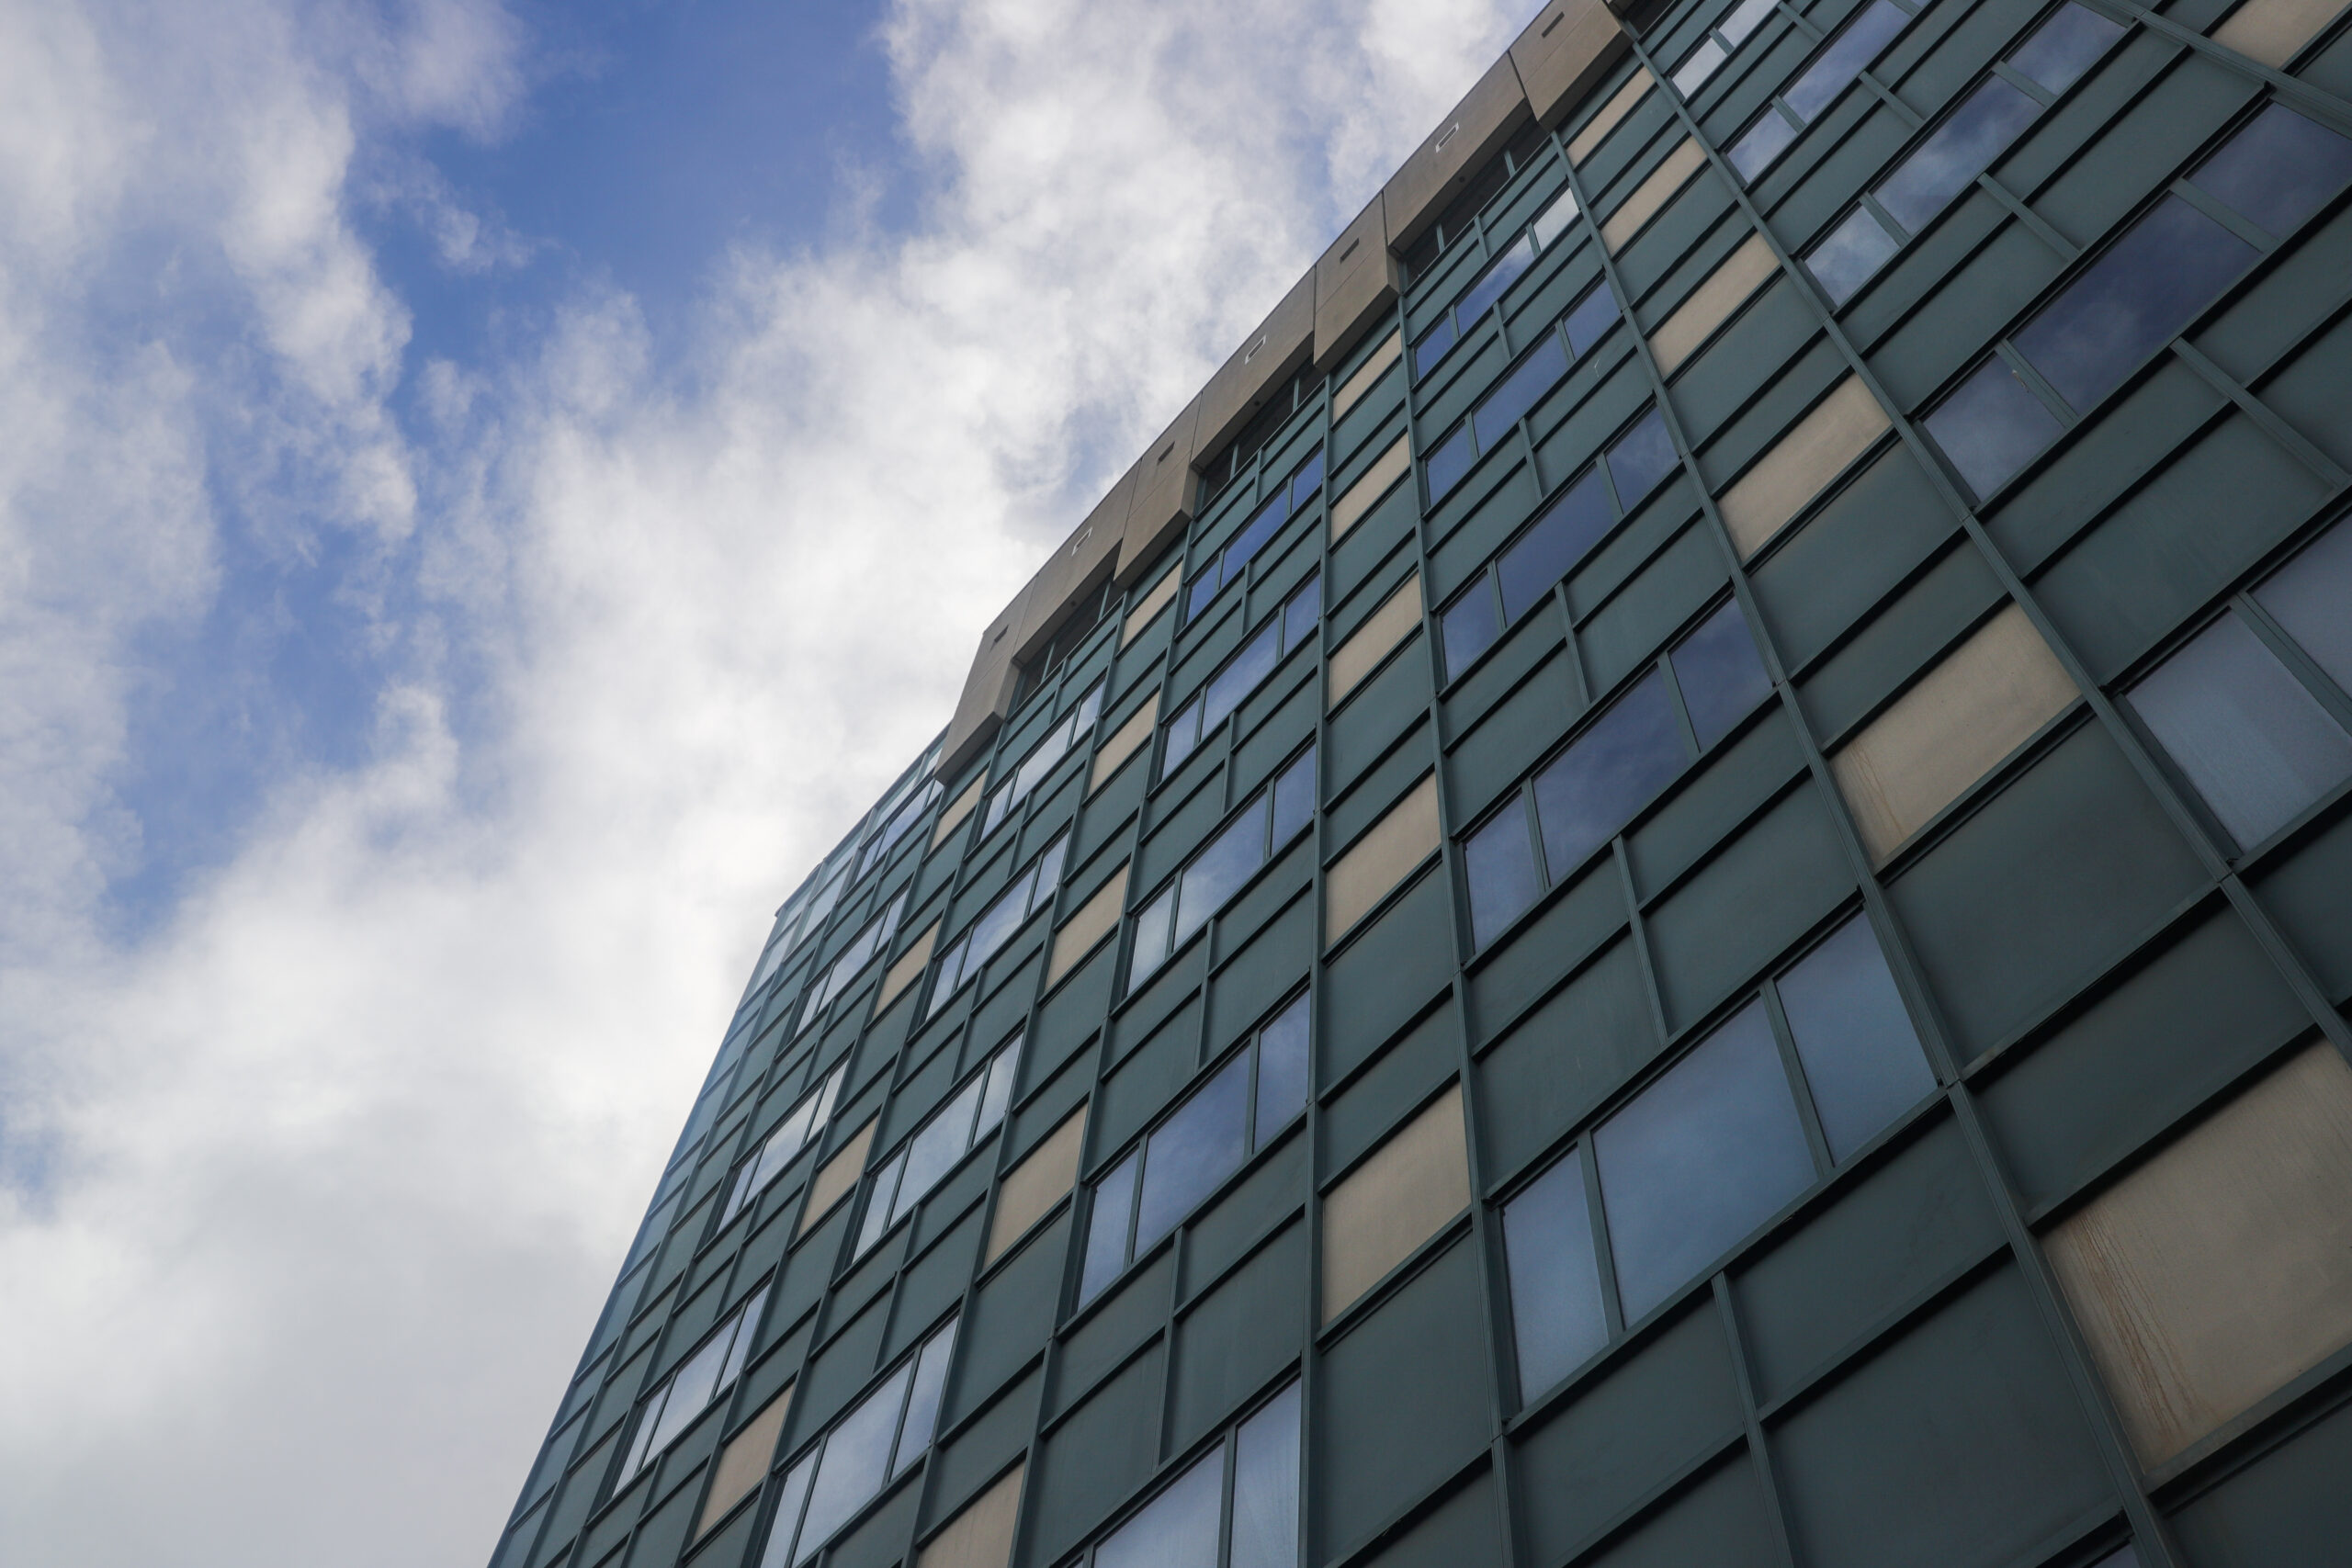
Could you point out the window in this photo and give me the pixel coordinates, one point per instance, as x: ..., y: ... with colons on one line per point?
x: 906, y: 817
x: 1200, y: 1518
x: 1556, y: 542
x: 1539, y: 370
x: 1462, y: 318
x: 685, y: 1394
x: 1287, y: 629
x: 1403, y: 1193
x: 2256, y: 744
x: 2137, y: 295
x: 1716, y: 47
x: 1619, y: 763
x: 1557, y: 1320
x: 1818, y: 87
x: 1233, y: 562
x: 1032, y: 889
x: 2307, y: 598
x: 861, y: 951
x: 1272, y: 818
x: 803, y: 1123
x: 1459, y: 219
x: 925, y: 1160
x: 804, y: 914
x: 2222, y: 1269
x: 863, y: 1451
x: 1071, y: 635
x: 1860, y: 1055
x: 1233, y: 463
x: 1983, y: 127
x: 1205, y: 1139
x: 1043, y: 758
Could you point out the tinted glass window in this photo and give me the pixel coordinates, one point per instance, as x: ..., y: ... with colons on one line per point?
x: 2064, y: 47
x: 1265, y: 1486
x: 1218, y: 872
x: 1850, y: 255
x: 1641, y: 456
x: 1450, y: 462
x: 1106, y: 1233
x: 1962, y: 147
x: 1744, y: 20
x: 1590, y: 321
x: 856, y: 1463
x: 1766, y: 140
x: 1469, y: 627
x: 1502, y: 273
x: 1536, y: 374
x: 2312, y: 599
x: 1177, y: 1528
x: 1193, y: 1150
x: 1293, y: 800
x: 1282, y: 1063
x: 1549, y: 549
x: 1434, y: 346
x: 1991, y: 427
x: 1500, y: 861
x: 1844, y: 59
x: 2258, y: 745
x: 2278, y: 170
x: 1862, y: 1057
x: 1721, y: 674
x: 1700, y: 64
x: 1612, y: 771
x: 1555, y: 1310
x: 2130, y: 301
x: 1699, y: 1160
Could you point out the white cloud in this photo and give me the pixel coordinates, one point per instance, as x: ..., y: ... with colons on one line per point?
x: 345, y: 1153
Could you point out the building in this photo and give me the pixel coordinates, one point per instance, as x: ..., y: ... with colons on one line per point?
x: 1671, y: 885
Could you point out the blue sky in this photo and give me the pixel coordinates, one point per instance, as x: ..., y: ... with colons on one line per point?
x: 493, y: 491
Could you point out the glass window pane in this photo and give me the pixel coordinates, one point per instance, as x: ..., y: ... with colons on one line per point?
x: 1744, y: 19
x: 1306, y: 479
x: 1500, y: 861
x: 1612, y: 771
x: 1106, y: 1233
x: 2064, y: 47
x: 1151, y: 937
x: 1205, y: 589
x: 1844, y: 59
x: 1550, y: 550
x: 1177, y: 1528
x: 877, y: 1205
x: 922, y: 1400
x: 1766, y: 140
x: 1193, y: 1150
x: 1184, y: 733
x: 2258, y: 745
x: 1502, y: 273
x: 2312, y: 599
x: 788, y: 1500
x: 937, y: 1148
x: 1283, y: 1062
x: 1721, y: 675
x: 1238, y: 679
x: 1556, y: 1318
x: 1252, y: 539
x: 1265, y: 1486
x: 1553, y: 221
x: 1862, y: 1057
x: 1450, y: 461
x: 1593, y: 318
x: 1851, y: 254
x: 1469, y: 627
x: 1001, y: 1074
x: 1991, y: 427
x: 2127, y: 303
x: 1962, y: 148
x: 743, y: 1328
x: 1293, y: 800
x: 1303, y: 613
x: 1434, y: 346
x: 856, y: 1463
x: 2278, y: 170
x: 1537, y: 374
x: 1642, y: 456
x: 1700, y: 64
x: 1699, y: 1160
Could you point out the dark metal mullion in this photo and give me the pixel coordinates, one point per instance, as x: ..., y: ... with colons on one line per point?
x: 1869, y: 203
x: 2265, y: 418
x: 1784, y: 1037
x: 1760, y: 1451
x: 2066, y: 251
x: 2282, y: 643
x: 2033, y: 382
x: 2293, y: 89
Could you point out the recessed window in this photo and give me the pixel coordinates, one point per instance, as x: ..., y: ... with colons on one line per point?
x: 1557, y: 1320
x: 1640, y: 458
x: 1032, y: 889
x: 1200, y: 1518
x: 1541, y: 368
x: 1862, y: 1057
x: 1238, y: 1111
x: 940, y: 1145
x: 1269, y: 820
x: 1287, y: 498
x: 2064, y: 49
x: 1235, y: 460
x: 800, y: 1124
x: 880, y: 1439
x: 1500, y: 861
x: 869, y: 942
x: 2309, y: 596
x: 1992, y: 426
x: 1043, y: 758
x: 685, y: 1394
x: 1818, y: 87
x: 2278, y: 170
x: 1721, y: 676
x: 1699, y: 1160
x: 1288, y: 629
x: 2256, y: 745
x: 1980, y: 130
x: 1851, y: 254
x: 1612, y: 771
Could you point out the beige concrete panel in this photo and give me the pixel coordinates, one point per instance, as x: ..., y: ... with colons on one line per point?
x: 1095, y: 919
x: 1122, y: 744
x: 1398, y: 617
x: 1711, y: 304
x: 1356, y: 282
x: 981, y: 1535
x: 959, y: 808
x: 745, y: 1463
x: 1036, y: 1184
x: 1801, y: 464
x: 1163, y: 498
x: 1449, y: 155
x: 2272, y: 30
x: 1569, y: 47
x: 1394, y: 1202
x: 2222, y: 1268
x: 1653, y: 194
x: 987, y: 691
x: 1596, y: 131
x: 1392, y: 850
x: 1079, y: 565
x: 1949, y: 730
x: 1150, y: 605
x: 1266, y: 361
x: 908, y: 969
x: 838, y: 1179
x: 1390, y: 350
x: 1371, y: 485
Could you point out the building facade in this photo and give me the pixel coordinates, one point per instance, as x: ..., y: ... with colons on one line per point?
x: 1671, y: 885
